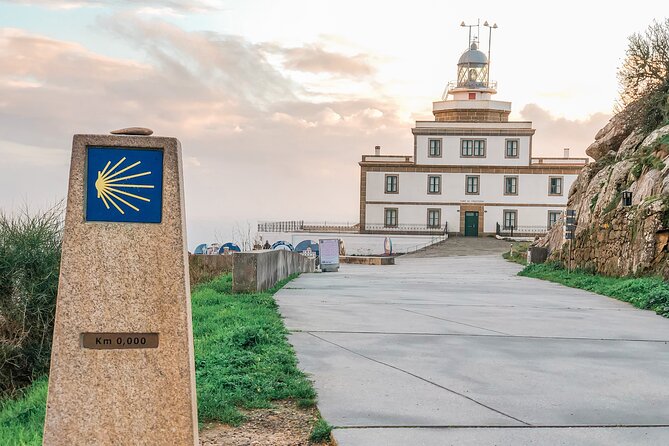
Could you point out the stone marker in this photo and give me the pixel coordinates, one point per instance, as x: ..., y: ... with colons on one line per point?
x: 122, y: 368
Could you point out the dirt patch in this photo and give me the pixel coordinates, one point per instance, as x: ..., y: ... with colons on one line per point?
x: 284, y: 425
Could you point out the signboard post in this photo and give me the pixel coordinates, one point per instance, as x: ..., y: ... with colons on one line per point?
x: 328, y: 250
x: 570, y: 231
x: 122, y: 368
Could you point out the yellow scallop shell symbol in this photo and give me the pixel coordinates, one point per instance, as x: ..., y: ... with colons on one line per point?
x: 110, y: 186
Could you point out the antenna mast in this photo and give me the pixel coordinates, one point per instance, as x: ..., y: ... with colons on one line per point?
x: 490, y: 28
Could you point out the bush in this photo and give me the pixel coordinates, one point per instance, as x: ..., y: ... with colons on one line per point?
x: 30, y: 246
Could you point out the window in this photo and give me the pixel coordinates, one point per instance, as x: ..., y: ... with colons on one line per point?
x: 434, y: 184
x: 434, y: 218
x: 555, y: 186
x: 472, y: 185
x: 390, y: 220
x: 510, y: 219
x: 553, y: 217
x: 435, y: 147
x: 392, y: 184
x: 472, y: 147
x: 510, y: 185
x: 479, y: 147
x: 511, y: 148
x: 467, y: 147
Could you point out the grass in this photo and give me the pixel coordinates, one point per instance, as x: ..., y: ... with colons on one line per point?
x: 242, y: 360
x: 242, y: 356
x: 321, y: 432
x: 22, y: 418
x: 518, y: 253
x: 648, y: 293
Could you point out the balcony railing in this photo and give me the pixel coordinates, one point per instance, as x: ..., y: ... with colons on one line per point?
x: 387, y: 159
x: 380, y: 228
x: 521, y: 231
x: 561, y: 161
x: 453, y: 85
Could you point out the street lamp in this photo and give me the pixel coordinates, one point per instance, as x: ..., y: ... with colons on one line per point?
x: 490, y: 28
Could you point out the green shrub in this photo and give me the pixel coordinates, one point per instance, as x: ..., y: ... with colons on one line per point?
x: 30, y: 246
x: 321, y: 432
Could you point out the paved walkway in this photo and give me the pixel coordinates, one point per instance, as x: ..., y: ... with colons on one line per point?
x: 464, y: 246
x: 461, y: 351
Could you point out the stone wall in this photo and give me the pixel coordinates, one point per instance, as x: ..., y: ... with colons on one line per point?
x: 261, y: 270
x: 207, y: 267
x: 471, y: 115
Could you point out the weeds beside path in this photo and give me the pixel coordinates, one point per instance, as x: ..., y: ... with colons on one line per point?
x: 648, y: 293
x: 517, y: 253
x: 243, y: 362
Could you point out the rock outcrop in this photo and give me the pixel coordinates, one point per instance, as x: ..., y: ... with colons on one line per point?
x: 610, y: 238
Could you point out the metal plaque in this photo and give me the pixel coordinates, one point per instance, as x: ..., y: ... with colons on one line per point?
x: 114, y: 341
x: 124, y: 185
x: 571, y: 212
x: 571, y: 220
x: 569, y: 235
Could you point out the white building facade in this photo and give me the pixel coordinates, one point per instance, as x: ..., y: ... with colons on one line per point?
x: 472, y: 171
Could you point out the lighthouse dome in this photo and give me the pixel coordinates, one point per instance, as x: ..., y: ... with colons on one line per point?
x: 473, y: 56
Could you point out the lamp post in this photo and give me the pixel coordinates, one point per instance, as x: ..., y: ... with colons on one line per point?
x: 490, y: 28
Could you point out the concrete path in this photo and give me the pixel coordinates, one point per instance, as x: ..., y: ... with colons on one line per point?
x: 461, y: 351
x: 464, y: 246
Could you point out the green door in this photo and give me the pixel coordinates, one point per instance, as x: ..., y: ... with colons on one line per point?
x: 471, y: 224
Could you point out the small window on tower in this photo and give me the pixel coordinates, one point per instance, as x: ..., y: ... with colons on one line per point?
x: 472, y: 95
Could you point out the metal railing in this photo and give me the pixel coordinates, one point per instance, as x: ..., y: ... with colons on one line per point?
x: 302, y: 226
x: 521, y: 231
x: 281, y: 226
x: 453, y: 85
x: 381, y: 228
x: 370, y: 228
x: 422, y: 246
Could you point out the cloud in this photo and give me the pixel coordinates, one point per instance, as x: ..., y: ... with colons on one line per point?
x: 169, y: 5
x: 553, y: 134
x: 254, y: 147
x: 315, y: 59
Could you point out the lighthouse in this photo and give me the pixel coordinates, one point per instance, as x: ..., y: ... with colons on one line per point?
x: 472, y: 172
x: 469, y: 97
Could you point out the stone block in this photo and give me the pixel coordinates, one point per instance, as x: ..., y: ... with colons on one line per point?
x: 124, y: 290
x: 260, y: 270
x: 537, y: 254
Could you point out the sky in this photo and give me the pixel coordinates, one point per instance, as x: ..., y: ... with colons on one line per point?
x: 275, y: 102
